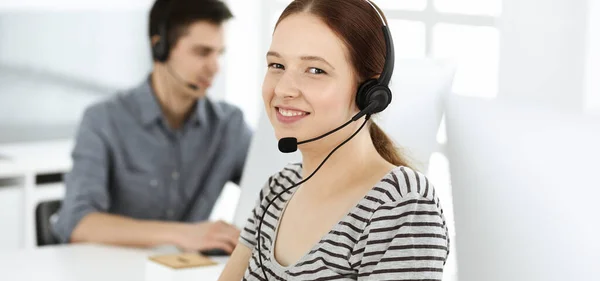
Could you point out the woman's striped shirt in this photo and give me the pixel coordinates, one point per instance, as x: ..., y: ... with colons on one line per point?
x: 396, y: 232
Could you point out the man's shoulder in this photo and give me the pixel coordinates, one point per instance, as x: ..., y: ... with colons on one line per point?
x: 111, y: 106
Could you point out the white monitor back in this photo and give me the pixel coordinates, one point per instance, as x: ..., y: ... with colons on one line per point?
x: 264, y: 159
x: 525, y: 189
x: 412, y: 120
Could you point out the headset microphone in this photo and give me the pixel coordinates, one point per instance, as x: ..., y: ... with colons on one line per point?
x: 161, y: 48
x: 181, y: 80
x: 290, y: 144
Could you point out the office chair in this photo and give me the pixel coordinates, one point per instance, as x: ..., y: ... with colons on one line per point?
x: 43, y: 213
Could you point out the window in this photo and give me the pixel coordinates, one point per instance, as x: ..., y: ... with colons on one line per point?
x: 412, y: 5
x: 475, y: 50
x: 413, y: 34
x: 469, y: 7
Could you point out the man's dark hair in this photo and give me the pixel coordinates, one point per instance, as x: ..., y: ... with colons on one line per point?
x: 179, y: 14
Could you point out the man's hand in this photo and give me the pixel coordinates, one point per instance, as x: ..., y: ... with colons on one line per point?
x: 208, y: 235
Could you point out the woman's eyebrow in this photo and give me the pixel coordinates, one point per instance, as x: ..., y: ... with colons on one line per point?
x: 316, y: 58
x: 305, y: 58
x: 273, y: 54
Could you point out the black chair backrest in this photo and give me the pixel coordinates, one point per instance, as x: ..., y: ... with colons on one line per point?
x: 43, y: 212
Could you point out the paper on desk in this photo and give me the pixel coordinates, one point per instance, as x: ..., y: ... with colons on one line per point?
x: 182, y: 267
x: 183, y: 260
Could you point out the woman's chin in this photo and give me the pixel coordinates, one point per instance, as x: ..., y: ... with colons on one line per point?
x: 280, y: 134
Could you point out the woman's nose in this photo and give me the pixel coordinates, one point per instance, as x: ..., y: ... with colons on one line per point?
x: 286, y: 87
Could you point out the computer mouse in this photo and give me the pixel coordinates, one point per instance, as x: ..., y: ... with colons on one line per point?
x: 214, y: 252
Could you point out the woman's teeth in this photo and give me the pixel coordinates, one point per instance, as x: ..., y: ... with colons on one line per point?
x: 289, y: 113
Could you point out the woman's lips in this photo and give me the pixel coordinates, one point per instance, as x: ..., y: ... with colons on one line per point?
x: 289, y: 116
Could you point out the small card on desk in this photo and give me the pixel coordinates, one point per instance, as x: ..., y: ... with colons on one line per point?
x: 182, y: 267
x: 183, y: 260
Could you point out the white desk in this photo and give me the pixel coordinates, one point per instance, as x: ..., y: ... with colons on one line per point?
x: 85, y: 262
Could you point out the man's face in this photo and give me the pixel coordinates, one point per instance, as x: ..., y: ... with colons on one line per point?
x: 195, y: 56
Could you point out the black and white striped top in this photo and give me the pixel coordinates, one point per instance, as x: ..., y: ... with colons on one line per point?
x: 396, y: 232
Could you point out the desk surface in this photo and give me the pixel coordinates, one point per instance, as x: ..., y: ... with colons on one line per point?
x: 81, y: 262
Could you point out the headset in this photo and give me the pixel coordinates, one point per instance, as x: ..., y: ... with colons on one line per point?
x: 160, y: 50
x: 377, y: 90
x: 373, y: 95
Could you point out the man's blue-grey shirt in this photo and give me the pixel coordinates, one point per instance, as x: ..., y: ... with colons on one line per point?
x: 128, y: 161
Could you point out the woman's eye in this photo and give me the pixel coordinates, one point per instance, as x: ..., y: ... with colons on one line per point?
x: 314, y: 70
x: 276, y: 66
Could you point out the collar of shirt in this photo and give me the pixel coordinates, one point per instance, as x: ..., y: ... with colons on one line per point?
x: 150, y: 111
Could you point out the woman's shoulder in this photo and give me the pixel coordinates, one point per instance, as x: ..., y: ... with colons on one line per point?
x: 289, y: 175
x: 402, y: 183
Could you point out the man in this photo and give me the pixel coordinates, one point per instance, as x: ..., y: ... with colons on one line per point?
x: 149, y: 164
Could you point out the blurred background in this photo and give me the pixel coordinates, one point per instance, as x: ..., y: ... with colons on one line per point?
x: 59, y: 56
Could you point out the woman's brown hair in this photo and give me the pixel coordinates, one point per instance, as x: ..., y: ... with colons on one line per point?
x: 359, y: 26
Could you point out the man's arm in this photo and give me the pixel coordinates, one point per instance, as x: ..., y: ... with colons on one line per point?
x: 84, y: 213
x: 118, y: 230
x: 83, y: 216
x: 122, y: 231
x: 87, y: 182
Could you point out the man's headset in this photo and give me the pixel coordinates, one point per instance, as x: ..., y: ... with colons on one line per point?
x: 373, y: 96
x: 161, y: 49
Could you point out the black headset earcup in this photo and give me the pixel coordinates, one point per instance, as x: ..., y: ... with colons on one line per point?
x: 160, y: 50
x: 362, y: 94
x: 156, y: 53
x: 381, y: 94
x: 370, y: 91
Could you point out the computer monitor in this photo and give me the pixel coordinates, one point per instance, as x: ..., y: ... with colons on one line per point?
x: 525, y: 187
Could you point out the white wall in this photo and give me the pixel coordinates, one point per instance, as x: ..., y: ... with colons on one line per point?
x: 592, y: 86
x: 108, y: 48
x: 54, y: 62
x: 63, y: 5
x: 542, y: 54
x: 104, y: 42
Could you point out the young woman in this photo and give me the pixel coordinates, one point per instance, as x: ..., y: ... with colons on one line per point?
x: 365, y: 214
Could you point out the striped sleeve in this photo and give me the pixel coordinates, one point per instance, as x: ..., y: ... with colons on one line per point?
x: 248, y: 233
x: 404, y: 240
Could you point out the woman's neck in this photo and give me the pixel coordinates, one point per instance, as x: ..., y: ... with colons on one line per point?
x: 348, y: 164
